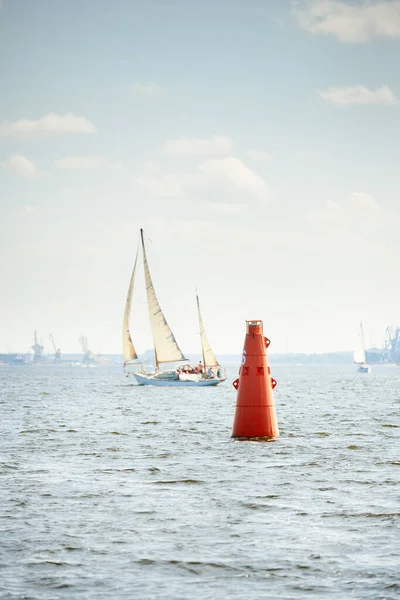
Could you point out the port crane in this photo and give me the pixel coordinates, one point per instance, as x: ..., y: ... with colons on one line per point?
x: 57, y: 351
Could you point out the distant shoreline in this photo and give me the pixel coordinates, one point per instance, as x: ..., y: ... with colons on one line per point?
x: 234, y: 359
x: 289, y: 359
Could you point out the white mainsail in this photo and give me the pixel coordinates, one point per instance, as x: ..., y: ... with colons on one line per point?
x: 359, y: 352
x: 165, y: 345
x: 209, y: 357
x: 128, y: 347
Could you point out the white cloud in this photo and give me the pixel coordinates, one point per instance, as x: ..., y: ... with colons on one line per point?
x: 228, y: 208
x: 145, y: 88
x: 306, y: 154
x: 27, y: 211
x: 356, y: 236
x: 22, y: 166
x: 260, y: 155
x: 169, y: 185
x: 359, y: 94
x: 85, y: 163
x: 351, y: 23
x: 357, y: 240
x: 211, y: 178
x: 358, y: 214
x: 232, y: 172
x: 31, y: 210
x: 357, y: 204
x: 217, y: 145
x: 148, y: 165
x: 48, y: 126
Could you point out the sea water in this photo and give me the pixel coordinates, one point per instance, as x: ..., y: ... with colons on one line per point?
x: 110, y: 490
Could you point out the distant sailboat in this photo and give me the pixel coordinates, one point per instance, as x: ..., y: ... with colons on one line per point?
x: 166, y: 349
x: 37, y: 349
x: 359, y: 353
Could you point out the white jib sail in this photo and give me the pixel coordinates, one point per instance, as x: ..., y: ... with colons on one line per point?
x: 359, y: 352
x: 127, y: 344
x: 209, y: 357
x: 165, y: 345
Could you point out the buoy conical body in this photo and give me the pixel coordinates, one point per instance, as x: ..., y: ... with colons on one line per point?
x: 255, y: 414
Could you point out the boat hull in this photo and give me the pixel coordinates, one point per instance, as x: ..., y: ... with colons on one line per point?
x: 366, y: 369
x: 144, y: 380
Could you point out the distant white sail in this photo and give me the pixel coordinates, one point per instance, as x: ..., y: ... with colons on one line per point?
x: 165, y: 345
x: 209, y: 357
x: 359, y: 352
x: 128, y: 347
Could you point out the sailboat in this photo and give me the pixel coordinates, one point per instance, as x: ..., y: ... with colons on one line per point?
x: 210, y: 361
x: 359, y: 353
x: 172, y: 367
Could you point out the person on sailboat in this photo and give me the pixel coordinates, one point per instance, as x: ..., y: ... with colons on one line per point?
x: 210, y: 373
x: 200, y: 367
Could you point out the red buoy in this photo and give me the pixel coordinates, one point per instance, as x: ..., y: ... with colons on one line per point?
x: 255, y: 415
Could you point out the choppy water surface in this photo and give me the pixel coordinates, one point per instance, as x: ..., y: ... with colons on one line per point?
x: 114, y: 491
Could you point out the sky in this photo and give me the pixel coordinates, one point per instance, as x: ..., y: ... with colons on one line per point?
x: 256, y: 142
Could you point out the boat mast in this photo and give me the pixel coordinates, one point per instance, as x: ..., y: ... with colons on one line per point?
x: 201, y: 331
